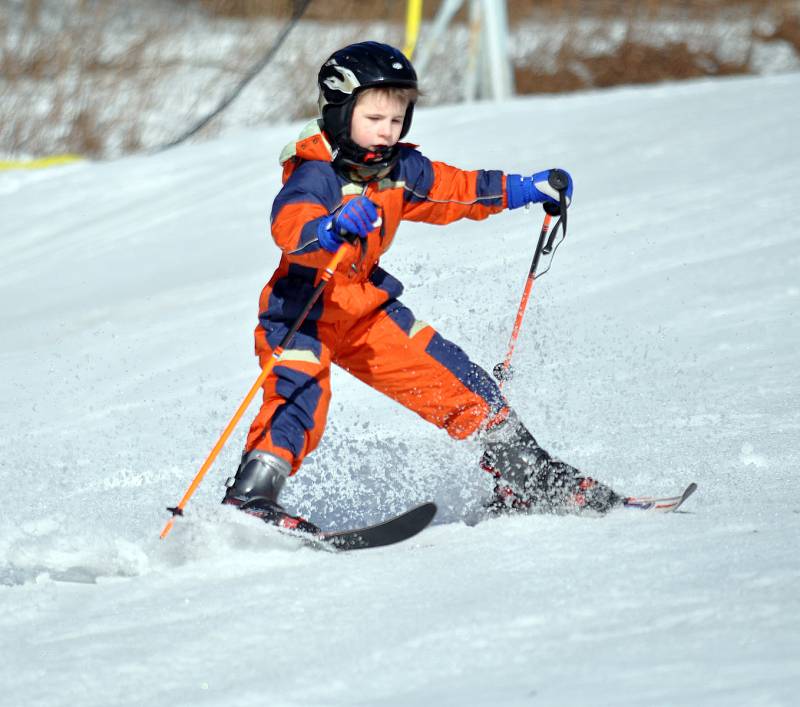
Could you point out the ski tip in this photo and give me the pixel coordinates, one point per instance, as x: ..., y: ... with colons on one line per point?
x: 393, y: 530
x: 690, y: 489
x: 428, y: 509
x: 668, y: 504
x: 420, y: 516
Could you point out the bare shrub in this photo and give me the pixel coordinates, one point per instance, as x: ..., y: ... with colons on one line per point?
x: 787, y: 28
x: 248, y: 8
x: 323, y: 10
x: 106, y: 77
x: 641, y: 63
x: 84, y: 135
x: 88, y: 76
x: 642, y: 56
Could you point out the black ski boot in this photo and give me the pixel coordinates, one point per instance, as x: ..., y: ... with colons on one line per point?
x: 255, y: 489
x: 529, y: 479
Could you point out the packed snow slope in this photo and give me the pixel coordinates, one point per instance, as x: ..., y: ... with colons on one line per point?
x: 661, y: 348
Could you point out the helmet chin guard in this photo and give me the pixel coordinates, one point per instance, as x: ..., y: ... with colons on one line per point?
x: 361, y: 165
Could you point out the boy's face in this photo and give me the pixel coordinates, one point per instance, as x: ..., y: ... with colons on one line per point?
x: 377, y: 120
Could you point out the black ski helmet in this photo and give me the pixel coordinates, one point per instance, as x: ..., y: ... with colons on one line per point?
x: 347, y: 72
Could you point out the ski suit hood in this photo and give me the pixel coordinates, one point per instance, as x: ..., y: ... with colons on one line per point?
x: 311, y: 144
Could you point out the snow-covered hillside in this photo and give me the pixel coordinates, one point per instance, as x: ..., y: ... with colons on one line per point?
x: 661, y: 348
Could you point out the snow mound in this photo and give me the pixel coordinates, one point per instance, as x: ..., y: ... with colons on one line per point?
x: 45, y: 549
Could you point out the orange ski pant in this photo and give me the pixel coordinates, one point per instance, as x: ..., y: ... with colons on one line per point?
x: 387, y: 349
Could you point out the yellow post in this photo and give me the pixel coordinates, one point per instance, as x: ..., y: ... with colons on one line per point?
x: 413, y: 20
x: 40, y: 162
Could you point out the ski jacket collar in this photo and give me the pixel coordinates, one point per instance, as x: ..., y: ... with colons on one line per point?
x: 311, y: 144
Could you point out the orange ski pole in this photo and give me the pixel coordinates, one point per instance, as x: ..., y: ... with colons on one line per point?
x: 327, y: 273
x: 502, y: 371
x: 559, y: 180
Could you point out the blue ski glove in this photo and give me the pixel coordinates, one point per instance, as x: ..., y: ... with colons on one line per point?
x: 354, y: 220
x: 535, y: 189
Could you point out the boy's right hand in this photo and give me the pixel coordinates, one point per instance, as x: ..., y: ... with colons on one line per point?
x: 354, y: 220
x: 536, y: 189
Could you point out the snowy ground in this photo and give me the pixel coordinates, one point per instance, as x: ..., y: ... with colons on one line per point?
x: 662, y: 348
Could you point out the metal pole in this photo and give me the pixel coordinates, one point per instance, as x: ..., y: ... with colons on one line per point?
x: 495, y: 44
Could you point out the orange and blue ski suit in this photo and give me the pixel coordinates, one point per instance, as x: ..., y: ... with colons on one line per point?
x: 359, y: 323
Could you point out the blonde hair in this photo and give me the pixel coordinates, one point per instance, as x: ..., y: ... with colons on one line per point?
x: 392, y: 93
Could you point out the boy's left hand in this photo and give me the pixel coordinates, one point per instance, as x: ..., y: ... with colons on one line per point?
x: 535, y: 189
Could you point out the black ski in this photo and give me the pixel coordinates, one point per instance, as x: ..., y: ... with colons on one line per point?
x: 391, y: 531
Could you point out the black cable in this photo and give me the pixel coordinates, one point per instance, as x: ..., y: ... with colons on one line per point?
x: 299, y: 9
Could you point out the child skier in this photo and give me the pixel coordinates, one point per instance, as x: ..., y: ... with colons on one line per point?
x: 348, y: 178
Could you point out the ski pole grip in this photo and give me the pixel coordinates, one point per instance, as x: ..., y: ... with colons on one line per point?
x: 558, y: 179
